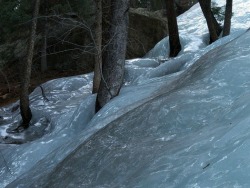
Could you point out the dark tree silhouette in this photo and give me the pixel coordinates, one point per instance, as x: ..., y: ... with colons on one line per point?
x: 44, y: 66
x: 98, y: 46
x: 206, y: 9
x: 228, y: 15
x: 174, y: 40
x: 26, y: 71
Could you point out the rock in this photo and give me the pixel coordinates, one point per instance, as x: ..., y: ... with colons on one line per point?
x: 183, y: 5
x: 146, y: 28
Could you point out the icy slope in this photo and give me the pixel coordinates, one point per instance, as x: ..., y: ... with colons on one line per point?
x: 195, y: 135
x: 180, y: 123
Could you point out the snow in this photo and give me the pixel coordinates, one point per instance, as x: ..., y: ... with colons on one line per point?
x: 180, y: 122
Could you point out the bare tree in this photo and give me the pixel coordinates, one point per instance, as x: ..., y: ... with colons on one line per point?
x: 228, y: 15
x: 174, y: 40
x: 98, y: 46
x: 114, y: 53
x: 44, y: 65
x: 206, y: 9
x: 26, y: 71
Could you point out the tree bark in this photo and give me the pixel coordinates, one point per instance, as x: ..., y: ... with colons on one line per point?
x: 114, y: 54
x: 106, y: 22
x: 98, y: 46
x: 206, y: 9
x: 174, y: 40
x: 228, y: 16
x: 26, y: 70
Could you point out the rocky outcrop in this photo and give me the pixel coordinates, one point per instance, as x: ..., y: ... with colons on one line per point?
x: 146, y: 28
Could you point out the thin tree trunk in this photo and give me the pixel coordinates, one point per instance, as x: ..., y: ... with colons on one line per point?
x: 206, y: 9
x: 114, y: 54
x: 98, y: 46
x: 228, y: 15
x: 44, y: 64
x: 174, y: 40
x: 26, y: 70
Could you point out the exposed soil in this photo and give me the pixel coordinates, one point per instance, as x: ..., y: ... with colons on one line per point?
x: 10, y: 82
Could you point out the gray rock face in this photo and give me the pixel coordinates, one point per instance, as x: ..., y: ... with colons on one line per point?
x: 145, y: 30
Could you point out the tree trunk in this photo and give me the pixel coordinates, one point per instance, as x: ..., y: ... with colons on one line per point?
x: 44, y: 66
x: 206, y: 9
x: 217, y: 26
x: 98, y: 46
x: 174, y: 40
x: 228, y: 15
x: 26, y: 70
x: 114, y: 54
x: 106, y: 22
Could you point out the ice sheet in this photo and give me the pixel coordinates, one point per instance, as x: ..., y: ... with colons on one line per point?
x: 181, y: 122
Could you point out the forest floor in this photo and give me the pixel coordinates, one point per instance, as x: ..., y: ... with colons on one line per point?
x: 10, y: 82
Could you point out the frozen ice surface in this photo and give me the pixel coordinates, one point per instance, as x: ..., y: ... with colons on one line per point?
x: 180, y: 122
x: 193, y: 133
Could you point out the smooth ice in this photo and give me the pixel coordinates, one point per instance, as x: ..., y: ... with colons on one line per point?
x: 180, y: 122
